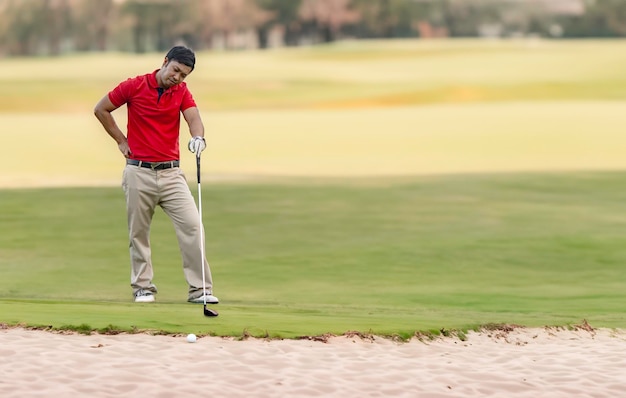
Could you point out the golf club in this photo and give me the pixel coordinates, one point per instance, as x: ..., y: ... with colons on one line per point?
x: 207, y: 311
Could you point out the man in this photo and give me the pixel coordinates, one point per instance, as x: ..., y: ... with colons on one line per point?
x: 152, y: 175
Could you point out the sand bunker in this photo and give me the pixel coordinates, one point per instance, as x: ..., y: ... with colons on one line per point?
x: 522, y: 362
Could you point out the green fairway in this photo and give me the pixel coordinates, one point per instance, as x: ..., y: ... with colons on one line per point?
x: 379, y: 186
x: 289, y: 259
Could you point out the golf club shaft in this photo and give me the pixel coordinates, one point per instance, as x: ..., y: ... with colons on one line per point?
x: 201, y: 228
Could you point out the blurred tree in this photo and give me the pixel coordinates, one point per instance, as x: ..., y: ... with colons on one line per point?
x: 615, y: 12
x: 601, y: 18
x: 461, y: 17
x: 24, y: 27
x: 92, y: 23
x: 137, y: 10
x: 405, y: 14
x: 393, y: 18
x: 221, y: 20
x: 429, y: 19
x: 56, y: 24
x: 154, y: 22
x: 35, y: 27
x: 282, y: 13
x: 327, y: 17
x: 377, y: 17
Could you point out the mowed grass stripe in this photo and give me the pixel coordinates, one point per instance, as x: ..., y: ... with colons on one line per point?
x: 347, y: 74
x: 292, y: 258
x: 71, y: 149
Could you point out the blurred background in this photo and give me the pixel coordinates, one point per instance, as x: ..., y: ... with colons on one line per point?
x: 54, y: 27
x: 323, y: 87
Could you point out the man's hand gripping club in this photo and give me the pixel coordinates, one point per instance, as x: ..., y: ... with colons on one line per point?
x: 197, y: 145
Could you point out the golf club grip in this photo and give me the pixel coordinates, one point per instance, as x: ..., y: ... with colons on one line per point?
x: 198, y: 167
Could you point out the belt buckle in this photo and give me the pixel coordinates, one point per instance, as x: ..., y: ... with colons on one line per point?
x: 154, y: 165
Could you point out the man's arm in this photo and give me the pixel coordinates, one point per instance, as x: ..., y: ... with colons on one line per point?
x: 197, y: 144
x: 103, y: 111
x: 192, y: 117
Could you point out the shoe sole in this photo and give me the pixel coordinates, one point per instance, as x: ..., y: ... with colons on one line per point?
x: 145, y: 301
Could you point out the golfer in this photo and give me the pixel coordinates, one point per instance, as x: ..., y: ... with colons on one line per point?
x: 152, y: 175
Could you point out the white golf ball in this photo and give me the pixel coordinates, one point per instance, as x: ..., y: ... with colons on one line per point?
x: 191, y: 338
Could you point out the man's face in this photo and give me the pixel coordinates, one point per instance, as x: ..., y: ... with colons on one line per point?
x: 173, y: 73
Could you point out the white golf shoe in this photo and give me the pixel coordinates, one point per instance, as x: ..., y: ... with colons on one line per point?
x: 144, y: 296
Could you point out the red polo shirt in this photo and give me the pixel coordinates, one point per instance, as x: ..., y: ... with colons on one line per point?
x: 153, y: 123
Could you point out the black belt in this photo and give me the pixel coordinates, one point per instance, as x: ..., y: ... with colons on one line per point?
x: 153, y: 165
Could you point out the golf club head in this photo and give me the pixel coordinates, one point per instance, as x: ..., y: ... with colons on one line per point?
x: 209, y: 312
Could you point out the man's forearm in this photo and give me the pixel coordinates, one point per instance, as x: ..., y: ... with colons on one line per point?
x: 108, y: 122
x: 196, y: 129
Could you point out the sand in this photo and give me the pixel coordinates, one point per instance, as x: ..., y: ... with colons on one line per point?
x: 522, y: 362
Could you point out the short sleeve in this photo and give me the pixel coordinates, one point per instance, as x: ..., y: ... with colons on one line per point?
x: 188, y: 101
x: 121, y: 94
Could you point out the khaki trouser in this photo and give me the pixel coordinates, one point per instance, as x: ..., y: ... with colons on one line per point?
x: 145, y: 189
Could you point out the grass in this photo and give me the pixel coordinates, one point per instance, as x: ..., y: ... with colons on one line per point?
x: 388, y: 257
x: 385, y: 187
